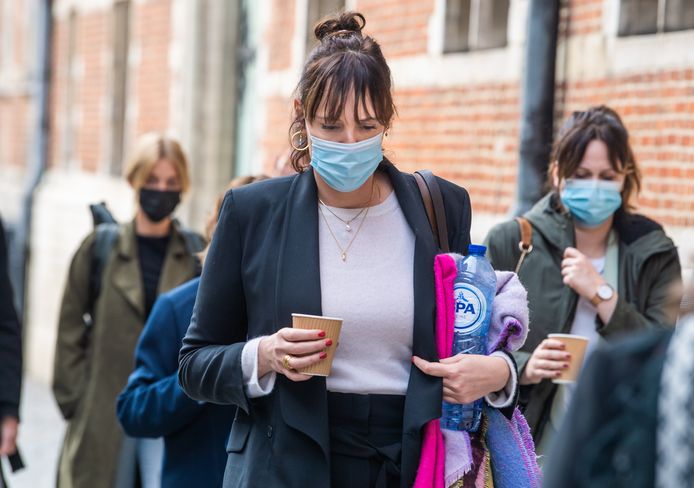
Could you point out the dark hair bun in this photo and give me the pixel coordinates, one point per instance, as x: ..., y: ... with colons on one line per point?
x: 345, y: 23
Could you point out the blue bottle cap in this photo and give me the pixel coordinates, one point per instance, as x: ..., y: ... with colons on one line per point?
x: 477, y: 249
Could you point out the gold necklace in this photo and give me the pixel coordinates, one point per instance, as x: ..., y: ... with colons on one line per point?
x: 348, y: 223
x: 343, y: 251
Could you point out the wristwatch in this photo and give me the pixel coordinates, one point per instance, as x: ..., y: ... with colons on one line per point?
x: 604, y: 293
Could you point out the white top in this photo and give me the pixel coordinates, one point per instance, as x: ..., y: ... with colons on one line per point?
x: 372, y: 290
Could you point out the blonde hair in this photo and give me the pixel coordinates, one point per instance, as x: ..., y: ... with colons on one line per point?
x: 149, y: 150
x: 214, y: 216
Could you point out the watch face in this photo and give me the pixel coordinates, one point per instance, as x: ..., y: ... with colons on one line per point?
x: 605, y: 292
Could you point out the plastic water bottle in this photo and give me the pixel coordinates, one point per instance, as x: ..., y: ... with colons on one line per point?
x: 474, y: 290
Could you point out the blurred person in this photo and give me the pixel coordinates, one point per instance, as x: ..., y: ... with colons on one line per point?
x: 631, y: 414
x: 10, y: 362
x: 347, y: 236
x: 151, y: 254
x: 597, y: 269
x: 153, y: 404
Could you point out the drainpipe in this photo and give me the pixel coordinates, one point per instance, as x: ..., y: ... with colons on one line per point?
x: 537, y: 113
x: 38, y: 153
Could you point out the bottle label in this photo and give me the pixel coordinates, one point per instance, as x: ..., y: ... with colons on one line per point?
x: 470, y: 307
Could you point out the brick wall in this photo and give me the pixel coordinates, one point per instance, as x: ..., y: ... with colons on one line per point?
x: 152, y: 33
x: 658, y: 110
x: 470, y: 133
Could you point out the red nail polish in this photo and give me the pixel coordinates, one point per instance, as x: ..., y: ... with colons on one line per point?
x: 328, y: 343
x: 323, y: 355
x: 321, y: 333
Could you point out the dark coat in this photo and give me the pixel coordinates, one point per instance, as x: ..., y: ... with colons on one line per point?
x: 10, y: 341
x: 263, y: 265
x: 153, y: 404
x: 610, y: 441
x: 92, y: 366
x: 649, y: 272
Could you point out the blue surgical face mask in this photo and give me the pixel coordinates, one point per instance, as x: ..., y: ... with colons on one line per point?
x: 591, y: 202
x: 345, y: 167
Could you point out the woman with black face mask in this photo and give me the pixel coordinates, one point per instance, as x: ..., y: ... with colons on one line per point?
x: 147, y: 256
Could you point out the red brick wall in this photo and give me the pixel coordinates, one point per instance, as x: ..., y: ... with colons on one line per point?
x: 583, y: 16
x: 149, y: 92
x: 456, y: 132
x: 59, y: 80
x: 15, y: 104
x: 152, y: 32
x: 279, y: 34
x: 401, y: 27
x: 14, y: 120
x: 470, y: 133
x: 91, y: 90
x: 658, y: 110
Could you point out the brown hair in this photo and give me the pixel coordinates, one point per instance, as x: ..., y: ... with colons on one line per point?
x: 211, y: 224
x: 344, y: 61
x: 149, y: 150
x: 580, y: 129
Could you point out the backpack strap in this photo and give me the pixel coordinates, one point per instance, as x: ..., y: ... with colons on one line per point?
x: 104, y: 242
x: 194, y: 244
x: 525, y: 246
x: 433, y: 204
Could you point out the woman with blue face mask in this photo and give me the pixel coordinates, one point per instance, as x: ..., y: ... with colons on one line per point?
x: 596, y: 269
x: 348, y: 237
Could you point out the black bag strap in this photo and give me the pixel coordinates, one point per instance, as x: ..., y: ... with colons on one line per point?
x: 194, y: 244
x: 104, y: 241
x: 433, y: 203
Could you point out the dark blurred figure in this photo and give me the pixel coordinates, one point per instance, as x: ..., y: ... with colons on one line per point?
x: 10, y: 362
x: 154, y: 405
x: 630, y: 422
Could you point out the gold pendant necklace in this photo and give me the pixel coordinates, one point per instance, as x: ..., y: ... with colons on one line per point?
x: 343, y: 251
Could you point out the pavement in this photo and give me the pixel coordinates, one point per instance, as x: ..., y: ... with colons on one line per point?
x: 40, y: 437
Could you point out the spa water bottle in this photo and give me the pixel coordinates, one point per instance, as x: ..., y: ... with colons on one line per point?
x: 474, y: 289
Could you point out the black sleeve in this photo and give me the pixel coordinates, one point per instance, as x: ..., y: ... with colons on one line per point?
x: 10, y: 340
x: 210, y: 359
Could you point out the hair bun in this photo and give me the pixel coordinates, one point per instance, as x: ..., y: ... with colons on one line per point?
x: 343, y: 24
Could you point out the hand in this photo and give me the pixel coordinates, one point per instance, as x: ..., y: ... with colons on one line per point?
x: 467, y: 377
x: 579, y: 273
x: 8, y: 436
x: 548, y: 360
x: 305, y: 348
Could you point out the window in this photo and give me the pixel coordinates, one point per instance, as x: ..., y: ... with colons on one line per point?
x: 638, y: 17
x: 317, y: 9
x: 475, y: 24
x: 121, y: 35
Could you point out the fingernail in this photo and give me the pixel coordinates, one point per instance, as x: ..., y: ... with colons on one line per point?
x: 412, y: 359
x: 329, y: 343
x: 321, y: 333
x: 566, y: 365
x: 323, y: 355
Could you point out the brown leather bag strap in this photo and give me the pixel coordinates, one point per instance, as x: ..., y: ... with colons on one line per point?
x: 433, y: 203
x: 525, y: 246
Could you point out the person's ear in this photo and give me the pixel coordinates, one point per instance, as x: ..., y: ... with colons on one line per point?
x: 298, y: 108
x: 554, y: 174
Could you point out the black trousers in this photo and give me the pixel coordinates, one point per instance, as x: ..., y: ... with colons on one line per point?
x: 365, y: 440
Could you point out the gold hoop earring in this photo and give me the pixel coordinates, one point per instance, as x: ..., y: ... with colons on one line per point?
x: 291, y: 141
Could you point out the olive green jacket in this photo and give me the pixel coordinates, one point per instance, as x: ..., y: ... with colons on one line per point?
x: 92, y: 367
x: 649, y: 272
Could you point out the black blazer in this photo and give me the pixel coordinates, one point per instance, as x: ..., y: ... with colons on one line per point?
x: 10, y: 341
x: 262, y: 266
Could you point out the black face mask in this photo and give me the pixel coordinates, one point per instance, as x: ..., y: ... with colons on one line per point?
x: 158, y: 204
